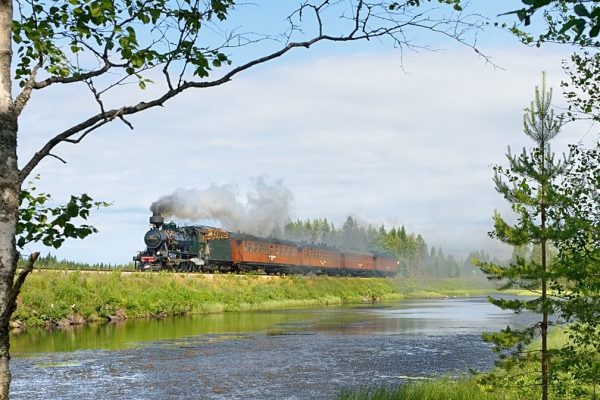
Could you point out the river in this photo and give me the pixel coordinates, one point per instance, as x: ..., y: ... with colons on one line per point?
x: 281, y: 354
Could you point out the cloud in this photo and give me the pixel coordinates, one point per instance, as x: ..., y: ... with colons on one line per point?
x: 349, y: 135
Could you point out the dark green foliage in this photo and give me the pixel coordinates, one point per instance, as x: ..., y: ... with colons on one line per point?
x: 578, y: 270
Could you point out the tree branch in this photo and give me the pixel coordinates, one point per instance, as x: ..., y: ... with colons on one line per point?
x: 23, y: 97
x: 73, y: 78
x: 57, y: 157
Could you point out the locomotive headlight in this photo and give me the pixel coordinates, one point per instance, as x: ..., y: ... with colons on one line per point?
x: 158, y: 253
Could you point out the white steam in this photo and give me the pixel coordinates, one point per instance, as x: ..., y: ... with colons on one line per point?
x: 265, y: 211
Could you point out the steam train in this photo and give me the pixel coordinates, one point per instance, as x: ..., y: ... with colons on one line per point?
x: 206, y: 249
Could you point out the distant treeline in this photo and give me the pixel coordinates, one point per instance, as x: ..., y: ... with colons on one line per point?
x: 417, y: 259
x: 51, y: 262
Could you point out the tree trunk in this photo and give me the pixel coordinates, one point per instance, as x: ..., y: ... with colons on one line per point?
x: 544, y: 325
x: 543, y: 240
x: 9, y: 192
x: 9, y: 203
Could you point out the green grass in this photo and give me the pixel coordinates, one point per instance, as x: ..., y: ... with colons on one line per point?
x: 49, y: 297
x: 443, y: 389
x: 441, y: 287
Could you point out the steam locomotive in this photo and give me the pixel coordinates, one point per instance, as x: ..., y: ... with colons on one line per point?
x: 207, y: 249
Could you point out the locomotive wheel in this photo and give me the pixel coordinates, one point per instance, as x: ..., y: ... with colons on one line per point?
x: 184, y: 267
x: 188, y: 266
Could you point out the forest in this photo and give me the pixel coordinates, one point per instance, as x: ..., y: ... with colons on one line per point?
x: 417, y: 258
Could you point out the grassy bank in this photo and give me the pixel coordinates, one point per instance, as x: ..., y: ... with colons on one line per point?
x: 74, y: 297
x: 61, y: 297
x: 423, y: 288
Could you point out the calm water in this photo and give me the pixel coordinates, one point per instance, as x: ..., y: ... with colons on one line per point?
x: 286, y: 354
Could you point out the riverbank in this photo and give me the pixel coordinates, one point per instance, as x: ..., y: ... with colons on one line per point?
x: 61, y: 298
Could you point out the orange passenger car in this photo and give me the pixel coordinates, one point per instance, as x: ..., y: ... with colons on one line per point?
x: 320, y: 257
x: 258, y: 253
x: 386, y: 265
x: 357, y: 262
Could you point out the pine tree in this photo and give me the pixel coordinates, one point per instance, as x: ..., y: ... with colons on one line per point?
x: 528, y: 184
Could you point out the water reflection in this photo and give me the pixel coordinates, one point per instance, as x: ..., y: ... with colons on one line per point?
x: 127, y: 334
x: 420, y: 317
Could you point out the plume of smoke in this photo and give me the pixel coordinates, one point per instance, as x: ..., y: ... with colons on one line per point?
x: 265, y: 211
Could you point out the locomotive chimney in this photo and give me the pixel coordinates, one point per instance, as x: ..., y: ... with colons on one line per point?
x: 157, y: 219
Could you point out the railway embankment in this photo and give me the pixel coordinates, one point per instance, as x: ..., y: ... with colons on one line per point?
x: 61, y: 298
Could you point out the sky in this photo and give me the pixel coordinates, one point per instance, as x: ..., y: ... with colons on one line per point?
x: 363, y: 130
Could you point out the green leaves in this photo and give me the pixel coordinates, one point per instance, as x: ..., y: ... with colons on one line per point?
x: 583, y: 91
x: 566, y: 21
x: 416, y: 3
x: 126, y: 35
x: 51, y: 226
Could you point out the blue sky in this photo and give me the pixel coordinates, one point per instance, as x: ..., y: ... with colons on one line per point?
x: 350, y: 130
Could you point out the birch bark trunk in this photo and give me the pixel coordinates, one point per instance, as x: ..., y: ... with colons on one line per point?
x: 9, y: 191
